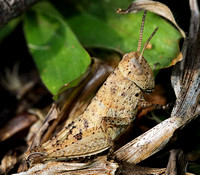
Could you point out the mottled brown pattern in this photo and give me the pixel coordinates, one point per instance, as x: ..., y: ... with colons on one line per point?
x: 112, y: 109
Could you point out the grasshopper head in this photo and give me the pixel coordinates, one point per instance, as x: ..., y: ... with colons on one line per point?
x: 135, y: 68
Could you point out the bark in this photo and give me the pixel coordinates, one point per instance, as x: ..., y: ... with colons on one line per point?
x: 10, y: 9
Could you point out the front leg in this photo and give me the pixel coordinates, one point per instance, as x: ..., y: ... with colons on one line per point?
x: 145, y: 104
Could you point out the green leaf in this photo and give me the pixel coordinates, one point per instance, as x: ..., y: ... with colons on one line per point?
x: 56, y: 51
x: 7, y: 29
x: 98, y: 25
x: 194, y: 168
x: 70, y: 85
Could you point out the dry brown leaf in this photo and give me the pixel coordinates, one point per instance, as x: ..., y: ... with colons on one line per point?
x: 52, y: 115
x: 16, y: 125
x: 150, y: 142
x: 98, y: 166
x: 155, y: 7
x: 32, y: 131
x: 8, y: 162
x: 130, y: 169
x: 10, y: 159
x: 177, y: 163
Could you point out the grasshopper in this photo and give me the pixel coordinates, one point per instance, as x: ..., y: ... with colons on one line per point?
x: 110, y: 112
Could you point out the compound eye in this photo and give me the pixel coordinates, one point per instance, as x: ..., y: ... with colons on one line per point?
x: 135, y: 67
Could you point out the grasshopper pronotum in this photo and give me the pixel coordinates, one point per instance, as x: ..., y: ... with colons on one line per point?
x: 112, y: 109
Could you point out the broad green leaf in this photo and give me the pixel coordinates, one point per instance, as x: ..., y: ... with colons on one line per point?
x: 56, y: 51
x: 98, y: 25
x: 8, y: 28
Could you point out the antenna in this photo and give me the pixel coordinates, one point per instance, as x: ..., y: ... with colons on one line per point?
x: 147, y: 42
x: 141, y: 31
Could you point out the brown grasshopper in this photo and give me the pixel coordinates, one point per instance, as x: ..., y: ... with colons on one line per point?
x: 110, y: 112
